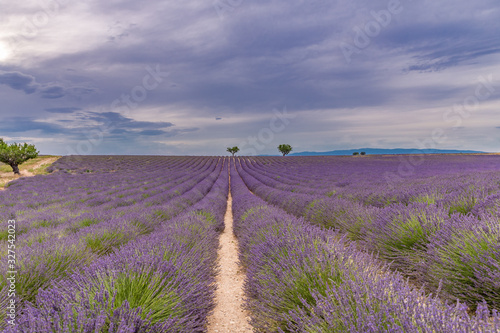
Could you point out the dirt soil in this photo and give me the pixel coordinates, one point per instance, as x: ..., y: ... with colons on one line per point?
x: 229, y: 314
x: 43, y: 162
x: 6, y: 177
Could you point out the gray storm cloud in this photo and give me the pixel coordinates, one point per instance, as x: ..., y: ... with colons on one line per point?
x: 408, y: 64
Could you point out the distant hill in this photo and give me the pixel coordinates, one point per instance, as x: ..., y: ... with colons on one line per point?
x: 382, y: 151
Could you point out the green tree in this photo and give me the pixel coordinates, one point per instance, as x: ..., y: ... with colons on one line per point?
x: 16, y: 154
x: 355, y: 153
x: 285, y: 149
x: 233, y: 150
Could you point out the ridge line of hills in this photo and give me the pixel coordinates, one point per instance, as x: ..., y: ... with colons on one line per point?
x: 384, y: 151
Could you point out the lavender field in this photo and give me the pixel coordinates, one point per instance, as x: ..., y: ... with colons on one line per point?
x: 328, y: 244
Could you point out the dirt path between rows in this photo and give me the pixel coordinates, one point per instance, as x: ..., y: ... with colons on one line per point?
x: 26, y: 173
x: 229, y: 315
x: 49, y: 160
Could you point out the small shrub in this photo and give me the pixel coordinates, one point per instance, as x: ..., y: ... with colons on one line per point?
x: 403, y: 233
x: 105, y: 242
x: 45, y: 265
x: 468, y: 262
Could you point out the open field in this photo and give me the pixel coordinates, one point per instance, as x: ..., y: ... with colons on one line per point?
x: 36, y: 166
x: 324, y: 244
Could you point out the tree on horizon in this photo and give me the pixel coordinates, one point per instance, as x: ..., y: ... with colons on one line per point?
x: 16, y: 154
x: 233, y: 150
x: 285, y: 149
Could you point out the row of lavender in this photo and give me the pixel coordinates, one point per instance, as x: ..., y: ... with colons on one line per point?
x: 457, y: 182
x: 59, y: 205
x: 90, y: 249
x: 302, y: 278
x: 50, y: 241
x: 450, y: 245
x: 69, y: 189
x: 78, y: 164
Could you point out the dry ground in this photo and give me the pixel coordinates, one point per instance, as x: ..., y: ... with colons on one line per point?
x: 229, y: 315
x: 36, y: 166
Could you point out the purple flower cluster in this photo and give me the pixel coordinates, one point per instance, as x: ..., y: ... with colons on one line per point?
x: 454, y: 252
x: 116, y: 251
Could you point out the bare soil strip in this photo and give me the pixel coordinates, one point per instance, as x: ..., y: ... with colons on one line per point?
x: 229, y: 314
x: 9, y: 176
x: 49, y: 160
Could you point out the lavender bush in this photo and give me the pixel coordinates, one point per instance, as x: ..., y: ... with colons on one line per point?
x: 112, y: 263
x: 295, y: 286
x: 402, y: 221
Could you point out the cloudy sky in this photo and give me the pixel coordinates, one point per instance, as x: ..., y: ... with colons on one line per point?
x: 193, y: 77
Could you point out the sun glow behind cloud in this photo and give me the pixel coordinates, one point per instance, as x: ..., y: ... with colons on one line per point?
x: 5, y: 52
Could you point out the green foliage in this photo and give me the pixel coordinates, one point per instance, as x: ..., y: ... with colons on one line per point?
x: 16, y: 154
x: 209, y: 217
x: 233, y: 150
x: 355, y: 153
x: 87, y: 222
x: 407, y: 237
x: 143, y: 227
x: 4, y: 234
x: 463, y: 205
x: 430, y: 199
x: 295, y: 288
x: 251, y: 211
x: 347, y: 220
x: 42, y: 269
x: 5, y: 168
x: 331, y: 193
x: 467, y: 255
x: 313, y: 213
x: 363, y: 153
x: 152, y: 292
x: 105, y: 242
x: 38, y: 238
x: 165, y: 214
x: 409, y: 232
x: 45, y: 223
x: 285, y: 149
